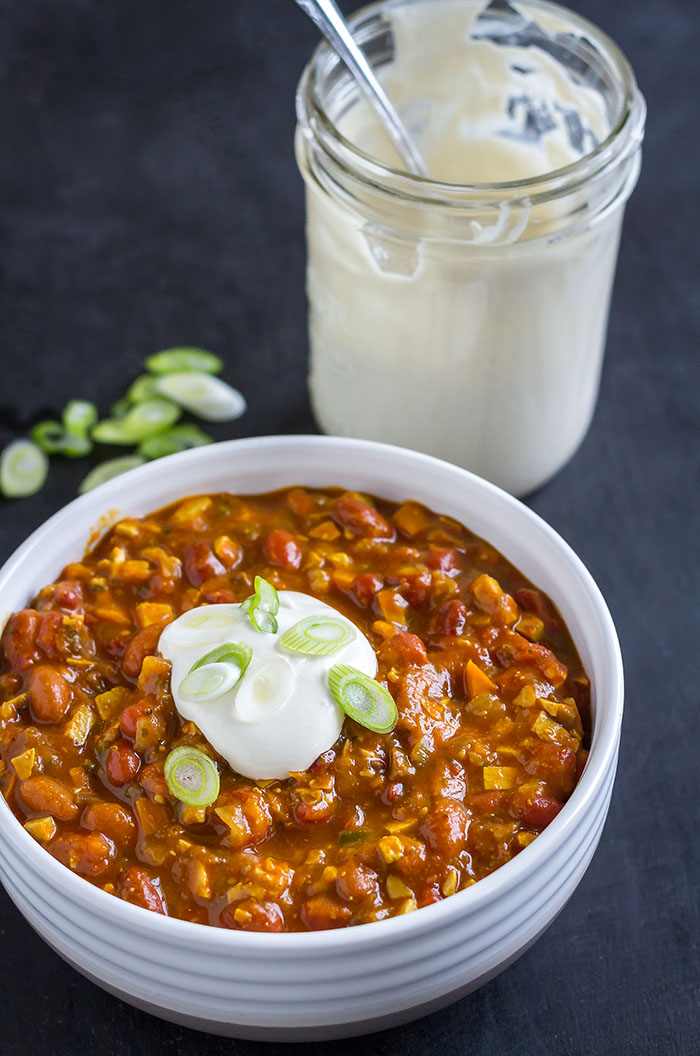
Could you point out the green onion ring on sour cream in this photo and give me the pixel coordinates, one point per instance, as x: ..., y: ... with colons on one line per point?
x: 279, y: 715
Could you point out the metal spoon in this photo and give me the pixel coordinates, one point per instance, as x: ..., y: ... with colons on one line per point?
x: 326, y: 16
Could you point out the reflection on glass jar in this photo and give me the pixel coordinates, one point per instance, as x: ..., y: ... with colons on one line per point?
x: 465, y: 315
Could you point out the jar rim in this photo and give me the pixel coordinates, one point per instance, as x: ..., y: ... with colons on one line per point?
x: 624, y: 137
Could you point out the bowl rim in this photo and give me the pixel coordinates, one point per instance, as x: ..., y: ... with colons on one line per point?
x: 393, y: 929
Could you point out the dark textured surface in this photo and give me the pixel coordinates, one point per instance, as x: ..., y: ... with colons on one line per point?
x: 149, y: 196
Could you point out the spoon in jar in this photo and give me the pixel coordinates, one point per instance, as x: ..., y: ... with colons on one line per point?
x: 326, y: 17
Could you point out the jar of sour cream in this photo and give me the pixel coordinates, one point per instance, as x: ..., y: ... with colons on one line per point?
x: 465, y: 315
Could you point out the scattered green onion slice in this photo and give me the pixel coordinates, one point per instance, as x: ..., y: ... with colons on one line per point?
x: 192, y: 776
x: 70, y: 437
x: 120, y: 408
x: 317, y: 636
x: 362, y: 698
x: 179, y: 360
x: 263, y: 621
x: 50, y: 436
x: 79, y: 416
x: 143, y: 388
x: 205, y: 396
x: 180, y: 438
x: 263, y: 606
x: 143, y: 420
x: 105, y: 471
x: 23, y: 469
x: 209, y: 682
x: 269, y: 599
x: 237, y: 653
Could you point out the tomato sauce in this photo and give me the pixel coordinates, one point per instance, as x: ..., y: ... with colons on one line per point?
x: 493, y: 712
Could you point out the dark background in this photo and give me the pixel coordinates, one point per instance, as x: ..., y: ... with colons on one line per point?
x: 149, y: 197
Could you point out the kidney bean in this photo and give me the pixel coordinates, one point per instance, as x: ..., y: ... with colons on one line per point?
x: 143, y: 644
x: 555, y: 764
x: 415, y: 588
x: 133, y: 712
x: 112, y: 821
x: 321, y: 913
x: 49, y: 634
x: 351, y: 511
x: 248, y: 915
x: 19, y: 639
x: 448, y: 779
x: 49, y: 694
x: 136, y: 886
x: 152, y: 781
x: 300, y: 502
x: 247, y: 816
x: 451, y: 618
x: 201, y: 563
x: 45, y: 795
x: 512, y: 646
x: 536, y: 809
x: 67, y: 594
x: 431, y: 894
x: 310, y: 806
x: 441, y: 560
x: 365, y: 587
x: 87, y: 853
x: 356, y: 882
x: 122, y: 763
x: 282, y: 549
x: 402, y: 650
x: 485, y: 804
x: 445, y: 827
x: 535, y: 601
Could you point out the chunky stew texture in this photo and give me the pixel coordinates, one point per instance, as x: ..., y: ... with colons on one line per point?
x: 492, y: 700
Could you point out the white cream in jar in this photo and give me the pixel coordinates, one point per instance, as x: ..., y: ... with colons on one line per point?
x: 462, y: 318
x: 279, y: 716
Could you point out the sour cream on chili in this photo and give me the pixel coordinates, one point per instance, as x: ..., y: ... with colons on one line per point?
x: 279, y: 716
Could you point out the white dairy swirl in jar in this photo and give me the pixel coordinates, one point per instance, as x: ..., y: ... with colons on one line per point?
x: 466, y: 315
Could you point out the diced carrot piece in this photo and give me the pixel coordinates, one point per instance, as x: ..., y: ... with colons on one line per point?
x: 148, y: 612
x: 477, y: 681
x: 411, y: 519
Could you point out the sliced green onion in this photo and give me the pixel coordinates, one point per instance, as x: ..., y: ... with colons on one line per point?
x: 263, y: 621
x: 71, y: 437
x: 79, y: 416
x: 120, y: 408
x: 180, y: 438
x: 206, y: 397
x: 263, y: 606
x: 362, y: 698
x: 179, y: 360
x: 143, y: 388
x: 192, y: 776
x: 105, y: 471
x: 317, y: 636
x: 23, y: 469
x: 50, y: 436
x: 143, y: 420
x: 269, y: 599
x: 237, y: 653
x: 353, y: 836
x: 209, y: 682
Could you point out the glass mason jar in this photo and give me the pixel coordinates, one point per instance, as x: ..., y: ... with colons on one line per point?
x: 468, y: 320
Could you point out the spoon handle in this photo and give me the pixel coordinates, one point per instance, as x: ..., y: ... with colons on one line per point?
x: 326, y: 16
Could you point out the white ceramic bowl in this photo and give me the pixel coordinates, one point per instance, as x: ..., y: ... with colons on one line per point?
x: 335, y: 983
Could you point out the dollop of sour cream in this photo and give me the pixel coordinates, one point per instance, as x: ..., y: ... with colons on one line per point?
x: 279, y: 716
